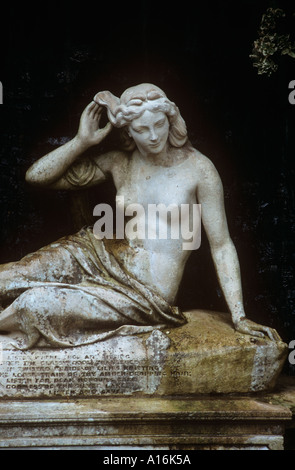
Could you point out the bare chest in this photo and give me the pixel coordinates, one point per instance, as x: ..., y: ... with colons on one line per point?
x: 158, y: 185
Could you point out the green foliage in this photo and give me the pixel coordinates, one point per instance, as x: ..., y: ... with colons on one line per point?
x: 271, y: 43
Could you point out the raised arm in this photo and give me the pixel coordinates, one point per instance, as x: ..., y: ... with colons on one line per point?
x: 210, y: 196
x: 50, y: 169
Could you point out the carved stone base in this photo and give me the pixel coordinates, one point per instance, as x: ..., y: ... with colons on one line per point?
x: 204, y: 356
x: 143, y: 423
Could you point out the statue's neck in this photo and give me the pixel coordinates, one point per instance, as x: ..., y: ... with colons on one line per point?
x: 162, y: 158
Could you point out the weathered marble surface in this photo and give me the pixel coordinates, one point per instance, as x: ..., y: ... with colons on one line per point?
x: 71, y: 288
x: 206, y: 355
x: 153, y: 423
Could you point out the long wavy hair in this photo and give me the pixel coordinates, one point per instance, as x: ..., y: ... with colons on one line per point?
x: 133, y: 103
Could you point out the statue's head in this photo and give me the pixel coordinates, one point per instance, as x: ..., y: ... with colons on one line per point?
x: 145, y: 101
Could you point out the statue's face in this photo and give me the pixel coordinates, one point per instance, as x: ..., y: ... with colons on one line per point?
x: 150, y: 132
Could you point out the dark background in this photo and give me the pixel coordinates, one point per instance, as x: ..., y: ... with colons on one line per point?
x: 55, y: 57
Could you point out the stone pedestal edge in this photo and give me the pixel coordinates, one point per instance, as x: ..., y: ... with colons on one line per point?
x: 154, y: 423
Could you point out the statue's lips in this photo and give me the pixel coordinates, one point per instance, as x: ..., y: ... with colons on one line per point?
x: 155, y: 145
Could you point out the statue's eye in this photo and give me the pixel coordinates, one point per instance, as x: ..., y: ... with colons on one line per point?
x: 139, y: 130
x: 160, y: 123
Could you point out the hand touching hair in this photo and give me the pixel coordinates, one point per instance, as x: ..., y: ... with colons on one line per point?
x: 134, y: 102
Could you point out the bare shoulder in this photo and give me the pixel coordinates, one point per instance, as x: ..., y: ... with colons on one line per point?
x: 204, y: 165
x: 206, y: 171
x: 110, y: 161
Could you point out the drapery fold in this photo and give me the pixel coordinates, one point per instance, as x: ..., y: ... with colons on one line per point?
x: 116, y: 303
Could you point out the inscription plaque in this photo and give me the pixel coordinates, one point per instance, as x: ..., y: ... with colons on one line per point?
x: 182, y: 361
x: 105, y: 368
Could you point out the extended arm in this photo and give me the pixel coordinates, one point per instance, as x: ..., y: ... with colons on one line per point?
x: 50, y: 169
x: 210, y: 196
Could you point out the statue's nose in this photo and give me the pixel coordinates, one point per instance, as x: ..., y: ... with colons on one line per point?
x: 153, y: 136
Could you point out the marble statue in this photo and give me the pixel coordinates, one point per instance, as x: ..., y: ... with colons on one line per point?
x: 82, y: 288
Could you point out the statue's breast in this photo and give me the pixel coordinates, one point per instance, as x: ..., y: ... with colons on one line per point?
x: 159, y: 186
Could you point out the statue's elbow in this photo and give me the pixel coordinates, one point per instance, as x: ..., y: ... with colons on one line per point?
x: 31, y: 177
x: 221, y: 247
